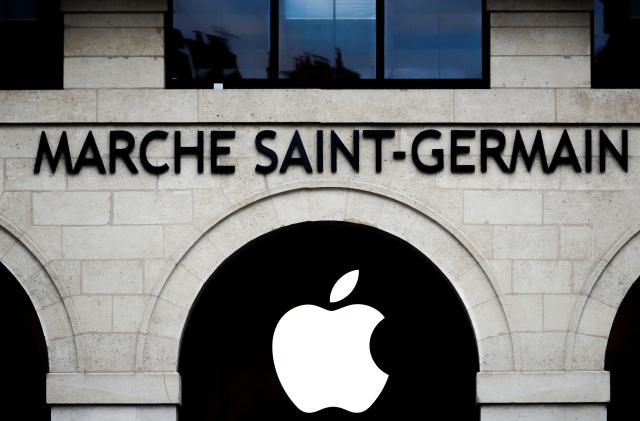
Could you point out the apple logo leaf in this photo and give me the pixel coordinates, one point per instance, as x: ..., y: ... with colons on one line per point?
x: 344, y: 286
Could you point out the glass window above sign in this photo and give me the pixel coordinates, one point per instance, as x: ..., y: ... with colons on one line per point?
x: 327, y: 44
x: 327, y: 39
x: 31, y: 44
x: 216, y: 41
x: 616, y: 33
x: 433, y: 39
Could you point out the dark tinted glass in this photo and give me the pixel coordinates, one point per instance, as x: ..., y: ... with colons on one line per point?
x: 616, y: 44
x: 20, y: 9
x: 635, y: 9
x: 433, y: 39
x: 326, y: 43
x: 218, y: 41
x: 25, y: 351
x: 30, y: 44
x: 327, y: 39
x: 622, y: 359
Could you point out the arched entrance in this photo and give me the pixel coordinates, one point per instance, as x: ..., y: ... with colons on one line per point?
x: 23, y: 352
x: 622, y: 360
x: 425, y: 343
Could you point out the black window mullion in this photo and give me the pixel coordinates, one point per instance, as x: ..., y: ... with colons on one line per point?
x: 274, y: 47
x: 380, y: 39
x: 486, y: 44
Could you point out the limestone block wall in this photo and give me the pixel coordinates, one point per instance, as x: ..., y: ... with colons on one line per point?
x: 113, y: 44
x: 540, y: 50
x: 113, y: 262
x: 127, y: 254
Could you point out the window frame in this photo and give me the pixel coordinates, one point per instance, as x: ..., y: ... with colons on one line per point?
x: 379, y: 82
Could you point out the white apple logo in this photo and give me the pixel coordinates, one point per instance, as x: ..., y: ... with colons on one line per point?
x: 322, y: 357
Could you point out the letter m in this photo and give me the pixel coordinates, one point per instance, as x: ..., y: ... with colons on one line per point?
x: 44, y: 151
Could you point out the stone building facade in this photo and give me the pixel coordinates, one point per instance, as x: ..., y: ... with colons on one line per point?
x: 113, y: 263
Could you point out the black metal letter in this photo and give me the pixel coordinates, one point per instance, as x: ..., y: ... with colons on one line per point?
x: 460, y: 150
x: 122, y: 153
x: 273, y: 157
x: 622, y: 158
x: 296, y: 144
x: 437, y: 153
x: 493, y: 152
x: 179, y: 151
x: 216, y: 151
x: 44, y: 151
x: 529, y: 158
x: 558, y: 159
x: 378, y: 136
x: 352, y: 157
x: 148, y: 138
x: 95, y: 159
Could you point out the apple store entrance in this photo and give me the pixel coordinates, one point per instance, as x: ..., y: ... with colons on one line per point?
x: 328, y: 278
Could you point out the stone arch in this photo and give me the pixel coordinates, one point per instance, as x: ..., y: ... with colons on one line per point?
x: 37, y: 276
x: 434, y: 236
x: 601, y: 297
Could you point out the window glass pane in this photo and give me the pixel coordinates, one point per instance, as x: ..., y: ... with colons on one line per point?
x: 433, y: 39
x: 601, y: 37
x: 20, y: 9
x: 31, y: 45
x: 308, y: 9
x: 327, y: 39
x: 217, y: 41
x: 616, y: 34
x: 355, y: 9
x: 634, y: 9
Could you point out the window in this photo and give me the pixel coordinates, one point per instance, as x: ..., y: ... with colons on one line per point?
x: 327, y: 43
x: 215, y: 41
x: 433, y: 39
x: 31, y: 44
x: 327, y: 39
x: 616, y: 48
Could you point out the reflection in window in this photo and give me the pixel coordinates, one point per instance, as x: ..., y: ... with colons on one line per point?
x: 434, y: 39
x: 30, y: 44
x: 616, y: 46
x: 325, y: 43
x: 327, y: 39
x: 222, y: 40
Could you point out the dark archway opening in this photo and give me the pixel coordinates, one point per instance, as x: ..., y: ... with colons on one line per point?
x: 425, y: 344
x: 623, y: 359
x: 23, y: 353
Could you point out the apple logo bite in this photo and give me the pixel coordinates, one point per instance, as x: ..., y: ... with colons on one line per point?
x: 322, y: 358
